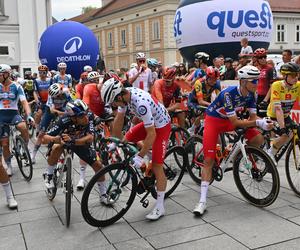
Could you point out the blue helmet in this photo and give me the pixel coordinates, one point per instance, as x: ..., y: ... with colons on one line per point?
x: 152, y: 62
x: 76, y: 107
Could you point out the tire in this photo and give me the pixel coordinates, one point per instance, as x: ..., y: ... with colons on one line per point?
x: 265, y: 174
x: 291, y: 165
x: 69, y: 190
x: 91, y: 208
x: 173, y: 171
x: 178, y: 136
x: 23, y: 158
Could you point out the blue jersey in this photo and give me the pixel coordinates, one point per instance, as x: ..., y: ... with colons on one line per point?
x: 199, y: 73
x: 10, y: 96
x: 67, y: 81
x: 230, y: 102
x: 59, y: 102
x: 41, y: 88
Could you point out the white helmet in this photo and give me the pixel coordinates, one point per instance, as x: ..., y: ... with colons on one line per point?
x: 140, y: 55
x: 110, y: 89
x: 62, y: 65
x: 133, y: 65
x: 4, y: 68
x: 248, y: 72
x: 87, y: 68
x: 93, y: 75
x: 77, y: 107
x: 55, y: 90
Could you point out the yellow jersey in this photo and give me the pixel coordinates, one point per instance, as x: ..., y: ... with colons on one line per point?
x: 281, y: 95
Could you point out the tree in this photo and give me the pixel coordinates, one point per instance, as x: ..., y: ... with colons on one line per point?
x: 87, y: 9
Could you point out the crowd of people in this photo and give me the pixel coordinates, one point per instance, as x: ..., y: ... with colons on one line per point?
x: 151, y: 92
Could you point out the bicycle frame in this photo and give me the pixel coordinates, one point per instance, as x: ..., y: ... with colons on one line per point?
x: 67, y: 153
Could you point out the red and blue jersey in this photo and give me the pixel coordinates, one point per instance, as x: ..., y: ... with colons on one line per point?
x: 41, y: 88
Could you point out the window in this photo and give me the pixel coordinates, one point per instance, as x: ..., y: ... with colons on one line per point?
x: 123, y: 38
x: 138, y: 33
x: 155, y: 30
x: 110, y: 40
x: 4, y: 51
x: 281, y: 33
x: 1, y: 7
x: 298, y: 33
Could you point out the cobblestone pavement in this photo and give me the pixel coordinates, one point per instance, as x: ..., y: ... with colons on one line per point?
x: 230, y: 223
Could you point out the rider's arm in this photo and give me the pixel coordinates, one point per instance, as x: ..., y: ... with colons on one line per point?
x: 199, y: 94
x: 86, y: 95
x: 24, y: 102
x: 118, y: 124
x: 279, y: 115
x: 157, y: 91
x: 132, y: 77
x: 148, y: 142
x: 87, y: 139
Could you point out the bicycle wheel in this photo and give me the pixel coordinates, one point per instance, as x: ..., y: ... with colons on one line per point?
x: 31, y: 130
x: 69, y: 190
x: 194, y: 149
x: 23, y: 158
x: 292, y: 167
x: 173, y: 171
x: 120, y: 198
x: 257, y: 180
x: 178, y: 136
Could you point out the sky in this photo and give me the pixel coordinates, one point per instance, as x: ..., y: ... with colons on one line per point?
x: 69, y: 8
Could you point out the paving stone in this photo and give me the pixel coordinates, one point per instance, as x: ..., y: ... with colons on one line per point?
x: 258, y: 230
x: 167, y: 224
x: 28, y: 215
x: 182, y: 235
x: 28, y: 187
x: 11, y: 238
x: 50, y: 234
x: 286, y: 212
x: 137, y: 244
x: 290, y: 245
x: 223, y: 242
x: 33, y: 200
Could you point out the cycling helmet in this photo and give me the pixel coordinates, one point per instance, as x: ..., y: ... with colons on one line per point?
x: 87, y: 68
x: 248, y: 72
x: 55, y: 89
x: 43, y: 68
x: 15, y: 75
x: 228, y: 59
x: 27, y: 73
x: 140, y: 55
x: 54, y: 72
x: 289, y: 68
x: 152, y: 62
x: 77, y: 107
x: 169, y: 73
x: 110, y: 89
x: 202, y: 56
x: 133, y: 65
x: 260, y: 52
x: 62, y: 65
x: 212, y: 72
x: 84, y: 75
x: 93, y: 75
x: 4, y: 68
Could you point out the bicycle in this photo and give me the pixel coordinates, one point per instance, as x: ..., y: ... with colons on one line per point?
x: 252, y: 168
x: 121, y: 194
x: 63, y: 167
x: 19, y: 150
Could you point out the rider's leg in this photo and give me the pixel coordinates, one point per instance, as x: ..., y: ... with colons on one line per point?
x: 6, y: 154
x: 181, y: 119
x: 52, y: 160
x: 24, y: 131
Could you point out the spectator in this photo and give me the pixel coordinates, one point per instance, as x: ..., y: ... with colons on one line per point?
x: 243, y: 61
x: 246, y: 48
x: 272, y: 64
x: 181, y: 72
x: 230, y: 72
x: 286, y: 57
x: 235, y: 64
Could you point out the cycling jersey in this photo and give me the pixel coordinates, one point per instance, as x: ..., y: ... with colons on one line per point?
x: 10, y: 96
x: 146, y: 108
x: 281, y: 95
x: 143, y: 81
x: 58, y: 102
x: 165, y: 94
x: 66, y: 80
x: 92, y: 97
x: 230, y: 101
x: 200, y: 91
x: 79, y: 90
x: 199, y: 73
x: 41, y: 88
x: 265, y: 80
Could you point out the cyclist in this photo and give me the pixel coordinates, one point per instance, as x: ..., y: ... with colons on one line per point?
x: 167, y: 90
x: 62, y: 77
x: 202, y: 92
x: 283, y: 96
x: 10, y: 94
x: 154, y: 131
x: 201, y: 63
x: 58, y: 97
x: 221, y: 117
x: 152, y: 65
x: 80, y: 86
x: 75, y: 128
x: 141, y: 76
x: 87, y: 68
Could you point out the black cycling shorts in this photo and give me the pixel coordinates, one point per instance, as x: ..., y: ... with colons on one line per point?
x: 85, y: 153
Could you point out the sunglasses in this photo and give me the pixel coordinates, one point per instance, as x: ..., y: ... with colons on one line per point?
x: 261, y: 57
x: 43, y: 72
x: 142, y: 61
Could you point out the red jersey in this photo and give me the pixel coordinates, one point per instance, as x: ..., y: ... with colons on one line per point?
x: 92, y: 97
x: 79, y: 90
x: 165, y: 94
x: 265, y: 80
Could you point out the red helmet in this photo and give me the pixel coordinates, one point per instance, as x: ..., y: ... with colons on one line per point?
x: 212, y: 72
x: 169, y: 73
x: 260, y: 52
x: 84, y: 75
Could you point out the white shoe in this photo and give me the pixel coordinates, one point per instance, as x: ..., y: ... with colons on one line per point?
x: 9, y: 171
x: 49, y: 181
x: 191, y: 131
x: 200, y: 209
x: 271, y: 154
x: 155, y: 214
x: 32, y: 159
x: 80, y: 185
x: 105, y: 200
x: 12, y: 203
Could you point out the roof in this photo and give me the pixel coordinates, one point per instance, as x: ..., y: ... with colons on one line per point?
x: 292, y: 6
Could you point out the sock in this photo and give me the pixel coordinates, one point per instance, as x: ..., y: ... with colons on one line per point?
x: 7, y: 190
x: 8, y: 161
x: 273, y: 149
x: 204, y: 189
x: 82, y: 172
x: 50, y: 170
x: 35, y: 150
x: 160, y: 200
x: 102, y: 187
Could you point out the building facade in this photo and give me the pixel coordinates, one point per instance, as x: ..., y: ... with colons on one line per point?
x: 22, y: 22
